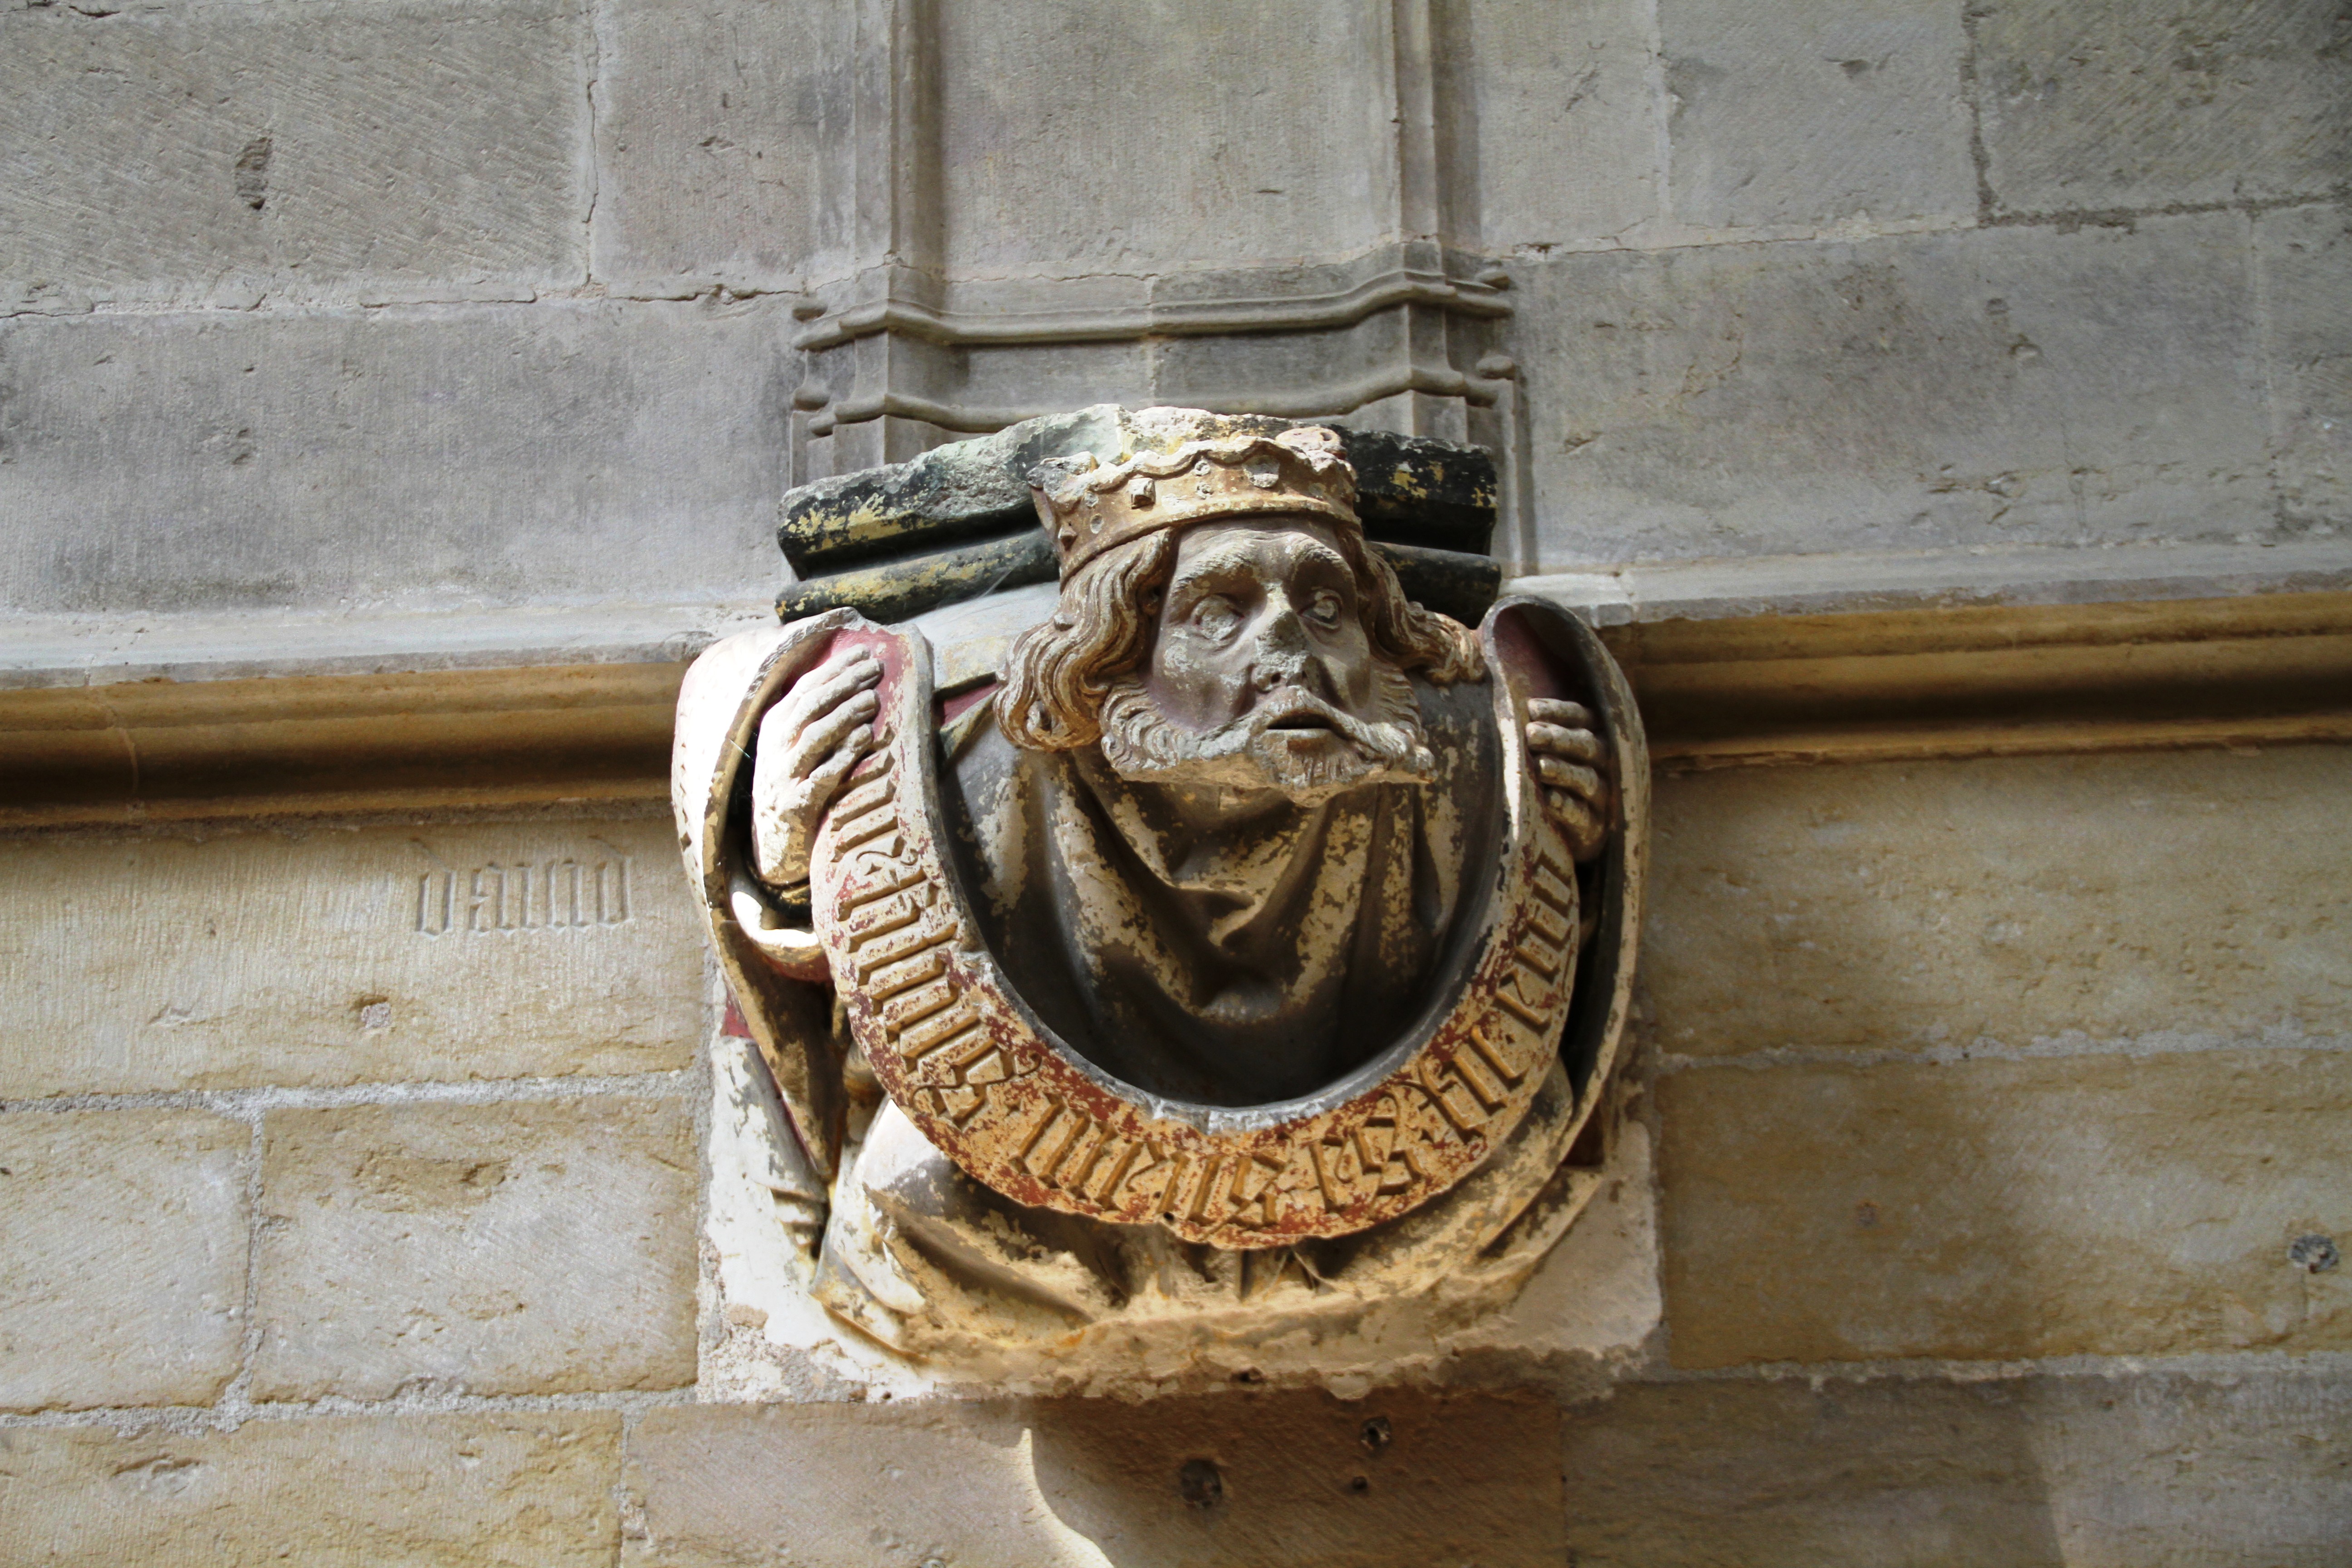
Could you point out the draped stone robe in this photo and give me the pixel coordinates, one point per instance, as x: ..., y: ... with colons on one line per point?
x: 1216, y: 951
x: 1224, y: 949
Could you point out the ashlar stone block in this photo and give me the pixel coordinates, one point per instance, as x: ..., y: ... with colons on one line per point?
x: 1937, y: 906
x: 1056, y: 161
x: 1996, y: 387
x: 205, y: 154
x: 1236, y: 1478
x: 2096, y: 107
x: 2144, y: 1470
x: 400, y: 460
x: 123, y: 1239
x: 422, y: 1492
x: 2000, y: 1209
x: 1817, y: 112
x: 541, y: 1247
x: 331, y: 956
x: 712, y: 120
x: 2306, y: 257
x: 1568, y: 134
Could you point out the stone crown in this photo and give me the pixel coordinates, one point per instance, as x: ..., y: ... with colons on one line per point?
x: 1088, y: 508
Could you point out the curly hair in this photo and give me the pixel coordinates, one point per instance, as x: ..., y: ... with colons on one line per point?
x: 1062, y: 667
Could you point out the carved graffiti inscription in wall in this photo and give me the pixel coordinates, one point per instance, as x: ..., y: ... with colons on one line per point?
x: 567, y: 894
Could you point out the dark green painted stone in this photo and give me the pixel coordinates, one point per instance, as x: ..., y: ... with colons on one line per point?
x: 957, y: 522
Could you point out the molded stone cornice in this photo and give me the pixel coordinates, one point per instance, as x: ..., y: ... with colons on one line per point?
x: 1748, y: 664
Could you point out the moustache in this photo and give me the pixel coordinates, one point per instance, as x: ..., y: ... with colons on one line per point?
x: 1290, y: 739
x: 1293, y: 714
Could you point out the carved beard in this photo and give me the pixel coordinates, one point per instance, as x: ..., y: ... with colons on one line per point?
x: 1143, y: 745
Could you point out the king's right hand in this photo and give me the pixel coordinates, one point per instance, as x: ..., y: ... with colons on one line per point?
x: 807, y: 743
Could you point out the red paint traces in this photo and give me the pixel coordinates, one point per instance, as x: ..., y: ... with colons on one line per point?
x: 732, y: 1025
x: 953, y: 707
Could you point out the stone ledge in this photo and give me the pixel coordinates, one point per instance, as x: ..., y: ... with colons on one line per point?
x: 1852, y: 658
x: 164, y: 750
x: 1857, y: 583
x: 1995, y: 681
x: 1738, y: 664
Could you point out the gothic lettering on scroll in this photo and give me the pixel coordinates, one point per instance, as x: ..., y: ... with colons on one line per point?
x: 967, y: 1063
x: 897, y: 926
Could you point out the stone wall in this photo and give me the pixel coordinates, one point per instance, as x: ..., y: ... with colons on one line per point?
x: 348, y: 309
x: 1982, y: 1146
x: 393, y: 392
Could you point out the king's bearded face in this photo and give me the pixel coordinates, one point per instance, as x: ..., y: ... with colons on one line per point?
x: 1261, y: 675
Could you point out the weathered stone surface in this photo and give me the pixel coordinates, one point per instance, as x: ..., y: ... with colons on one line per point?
x: 2096, y: 107
x: 400, y: 460
x: 1225, y: 1479
x: 211, y: 153
x: 431, y: 1491
x: 1592, y: 1298
x: 710, y: 116
x: 1429, y: 494
x: 2144, y: 1471
x: 334, y: 957
x: 1567, y: 121
x: 1933, y: 905
x: 534, y: 1247
x: 2003, y: 386
x: 968, y: 490
x: 2078, y: 1206
x: 906, y: 587
x: 1060, y: 160
x: 1816, y: 113
x: 123, y: 1258
x: 2304, y: 255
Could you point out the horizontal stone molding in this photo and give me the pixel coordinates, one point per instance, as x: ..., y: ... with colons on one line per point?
x: 166, y: 750
x: 1994, y: 681
x: 1331, y: 401
x: 1264, y: 309
x: 1734, y: 666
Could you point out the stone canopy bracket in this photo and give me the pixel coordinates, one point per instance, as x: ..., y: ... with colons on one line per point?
x: 957, y: 522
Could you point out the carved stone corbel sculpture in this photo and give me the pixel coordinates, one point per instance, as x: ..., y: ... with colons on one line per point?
x: 1241, y: 938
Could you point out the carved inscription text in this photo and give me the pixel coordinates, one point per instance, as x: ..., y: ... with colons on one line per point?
x: 567, y: 894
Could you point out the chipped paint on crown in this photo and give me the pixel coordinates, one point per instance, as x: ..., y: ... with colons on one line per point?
x: 1088, y: 508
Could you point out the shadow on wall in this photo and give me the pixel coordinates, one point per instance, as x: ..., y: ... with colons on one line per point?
x: 1305, y: 1477
x: 1249, y: 1477
x: 1819, y: 1212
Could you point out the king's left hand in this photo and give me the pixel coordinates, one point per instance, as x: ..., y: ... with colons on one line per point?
x: 1571, y: 765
